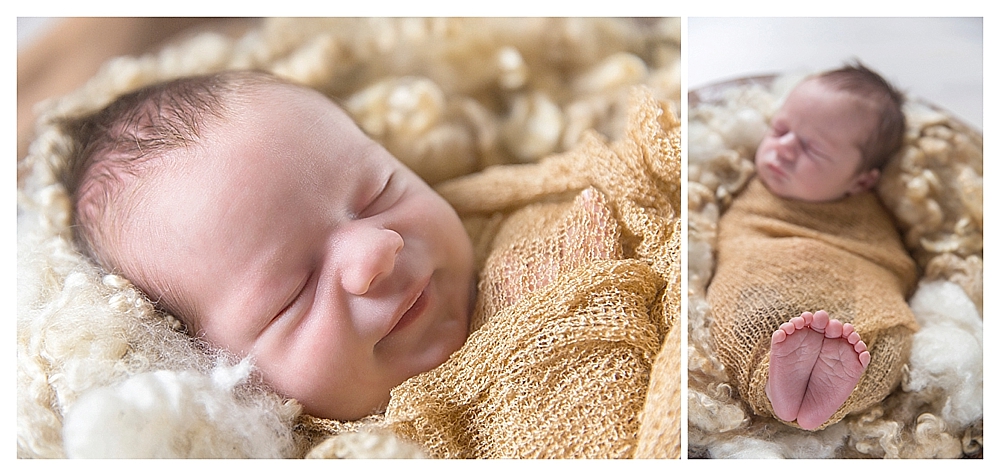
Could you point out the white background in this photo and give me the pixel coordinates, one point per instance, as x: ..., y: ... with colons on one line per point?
x: 937, y: 59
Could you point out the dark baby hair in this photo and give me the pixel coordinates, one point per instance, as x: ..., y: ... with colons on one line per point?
x: 890, y: 123
x: 115, y: 145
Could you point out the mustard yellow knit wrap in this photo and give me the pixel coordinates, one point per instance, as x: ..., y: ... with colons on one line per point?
x: 778, y: 258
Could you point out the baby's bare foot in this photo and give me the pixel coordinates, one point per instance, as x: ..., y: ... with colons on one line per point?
x: 794, y: 350
x: 815, y: 364
x: 839, y: 366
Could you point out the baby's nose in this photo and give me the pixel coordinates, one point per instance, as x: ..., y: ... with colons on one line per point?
x: 372, y: 258
x: 788, y: 146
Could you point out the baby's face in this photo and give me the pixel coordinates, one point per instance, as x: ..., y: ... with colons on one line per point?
x: 290, y: 235
x: 813, y: 149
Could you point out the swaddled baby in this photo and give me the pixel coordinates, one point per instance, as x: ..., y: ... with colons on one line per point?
x: 808, y: 297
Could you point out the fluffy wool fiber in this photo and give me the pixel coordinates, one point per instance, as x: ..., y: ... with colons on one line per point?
x: 448, y: 97
x: 933, y: 189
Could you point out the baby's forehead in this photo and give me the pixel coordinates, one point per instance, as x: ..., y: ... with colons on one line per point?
x: 851, y: 102
x: 265, y: 94
x: 285, y: 126
x: 268, y: 101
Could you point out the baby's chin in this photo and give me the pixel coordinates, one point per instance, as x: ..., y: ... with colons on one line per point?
x: 775, y: 189
x: 376, y: 402
x: 782, y: 193
x: 364, y: 404
x: 770, y: 183
x: 451, y: 337
x: 778, y: 187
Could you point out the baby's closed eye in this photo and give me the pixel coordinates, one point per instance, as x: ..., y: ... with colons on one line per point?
x: 813, y: 151
x: 289, y: 304
x: 382, y: 200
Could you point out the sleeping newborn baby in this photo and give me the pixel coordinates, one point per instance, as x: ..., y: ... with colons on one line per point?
x: 808, y: 296
x: 262, y: 217
x: 530, y: 321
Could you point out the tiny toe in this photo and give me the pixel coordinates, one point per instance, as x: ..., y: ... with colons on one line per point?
x: 865, y: 358
x: 834, y: 329
x: 778, y: 336
x: 860, y: 347
x: 799, y: 322
x: 807, y: 317
x: 848, y: 329
x: 853, y: 338
x: 787, y: 327
x: 819, y: 321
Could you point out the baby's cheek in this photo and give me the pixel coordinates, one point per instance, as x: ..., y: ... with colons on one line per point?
x: 761, y: 151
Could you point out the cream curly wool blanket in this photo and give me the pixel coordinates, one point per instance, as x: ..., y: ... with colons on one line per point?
x: 778, y: 258
x: 569, y: 355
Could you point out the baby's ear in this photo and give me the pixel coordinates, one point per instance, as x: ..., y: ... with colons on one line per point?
x: 864, y: 181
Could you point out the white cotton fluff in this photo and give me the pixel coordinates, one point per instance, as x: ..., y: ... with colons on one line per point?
x: 705, y: 143
x: 744, y: 128
x: 175, y: 414
x: 747, y: 448
x: 948, y: 350
x: 793, y: 444
x: 813, y: 445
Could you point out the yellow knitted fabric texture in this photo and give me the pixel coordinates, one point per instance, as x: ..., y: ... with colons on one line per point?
x: 778, y: 258
x: 579, y: 287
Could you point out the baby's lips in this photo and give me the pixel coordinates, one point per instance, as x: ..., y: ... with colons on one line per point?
x: 411, y: 309
x: 776, y: 170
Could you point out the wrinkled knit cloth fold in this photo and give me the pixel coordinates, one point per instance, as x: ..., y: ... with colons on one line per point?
x: 778, y: 258
x: 578, y: 289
